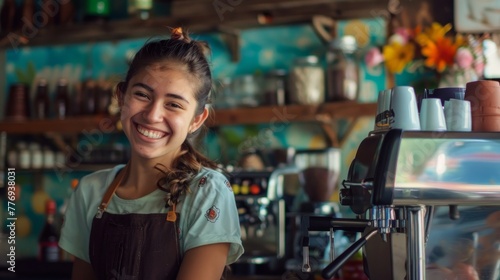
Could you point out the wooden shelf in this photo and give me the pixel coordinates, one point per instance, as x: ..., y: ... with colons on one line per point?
x: 325, y: 113
x: 73, y: 125
x: 198, y: 16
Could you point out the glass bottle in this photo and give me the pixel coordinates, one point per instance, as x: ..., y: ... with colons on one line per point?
x: 89, y: 97
x: 62, y: 99
x: 48, y: 249
x: 42, y: 101
x: 36, y: 155
x: 342, y: 70
x: 24, y: 160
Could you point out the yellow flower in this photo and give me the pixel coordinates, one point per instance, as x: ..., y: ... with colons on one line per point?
x: 397, y: 56
x: 440, y: 53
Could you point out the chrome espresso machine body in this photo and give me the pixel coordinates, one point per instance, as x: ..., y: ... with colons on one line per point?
x: 261, y: 205
x: 395, y: 182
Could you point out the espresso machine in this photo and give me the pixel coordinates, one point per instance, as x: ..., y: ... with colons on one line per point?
x: 261, y: 204
x: 394, y: 185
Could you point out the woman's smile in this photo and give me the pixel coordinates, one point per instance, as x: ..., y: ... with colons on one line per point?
x: 149, y: 133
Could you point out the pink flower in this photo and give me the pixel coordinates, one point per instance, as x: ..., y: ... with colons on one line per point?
x: 373, y: 57
x: 404, y: 33
x: 479, y: 68
x: 464, y: 58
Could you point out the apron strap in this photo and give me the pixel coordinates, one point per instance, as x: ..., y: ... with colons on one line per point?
x: 111, y: 190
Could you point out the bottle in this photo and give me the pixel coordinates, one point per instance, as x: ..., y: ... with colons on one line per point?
x: 24, y: 155
x: 97, y: 10
x: 342, y: 70
x: 36, y: 155
x: 89, y: 96
x: 49, y: 160
x: 42, y: 101
x: 65, y: 256
x: 48, y: 248
x: 8, y: 17
x: 62, y: 99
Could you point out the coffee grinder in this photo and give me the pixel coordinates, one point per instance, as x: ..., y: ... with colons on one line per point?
x: 318, y: 174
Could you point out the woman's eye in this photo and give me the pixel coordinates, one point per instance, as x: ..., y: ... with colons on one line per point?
x: 173, y: 105
x: 141, y: 95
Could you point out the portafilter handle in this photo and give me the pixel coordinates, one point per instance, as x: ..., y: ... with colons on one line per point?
x: 334, y: 266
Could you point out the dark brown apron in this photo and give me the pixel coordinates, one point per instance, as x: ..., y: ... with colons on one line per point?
x: 133, y: 246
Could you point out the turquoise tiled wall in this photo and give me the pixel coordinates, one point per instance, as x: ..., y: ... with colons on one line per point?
x: 261, y: 50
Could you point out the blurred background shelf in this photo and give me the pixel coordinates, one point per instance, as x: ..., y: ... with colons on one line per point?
x: 252, y: 115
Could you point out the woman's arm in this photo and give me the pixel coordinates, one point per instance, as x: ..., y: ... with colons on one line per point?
x: 82, y: 270
x: 204, y: 262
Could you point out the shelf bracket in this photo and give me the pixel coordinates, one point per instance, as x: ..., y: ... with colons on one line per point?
x: 350, y: 129
x: 329, y: 126
x: 232, y: 38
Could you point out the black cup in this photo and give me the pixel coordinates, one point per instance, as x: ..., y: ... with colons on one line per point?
x: 445, y: 93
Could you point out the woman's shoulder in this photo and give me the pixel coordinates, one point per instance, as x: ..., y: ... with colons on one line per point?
x: 209, y: 180
x: 99, y: 180
x: 208, y: 175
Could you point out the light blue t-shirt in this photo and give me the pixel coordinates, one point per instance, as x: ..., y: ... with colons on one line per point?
x: 208, y: 212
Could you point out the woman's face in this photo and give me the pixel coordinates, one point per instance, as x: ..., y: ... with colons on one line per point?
x: 157, y: 111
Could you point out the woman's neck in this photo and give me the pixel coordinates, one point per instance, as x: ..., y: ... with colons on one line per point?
x: 141, y: 179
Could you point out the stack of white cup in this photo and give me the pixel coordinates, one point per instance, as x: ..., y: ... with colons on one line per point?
x: 397, y: 108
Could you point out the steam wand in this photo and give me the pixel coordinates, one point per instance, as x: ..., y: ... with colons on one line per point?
x: 334, y: 266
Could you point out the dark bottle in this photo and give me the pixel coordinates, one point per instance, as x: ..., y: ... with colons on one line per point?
x: 48, y: 248
x: 66, y: 12
x: 62, y: 99
x: 8, y: 17
x: 42, y: 101
x: 89, y: 97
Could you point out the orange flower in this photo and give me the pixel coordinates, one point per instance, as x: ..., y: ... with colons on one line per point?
x: 439, y: 53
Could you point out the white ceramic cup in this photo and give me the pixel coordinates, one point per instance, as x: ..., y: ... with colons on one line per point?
x: 382, y: 120
x: 458, y: 115
x: 432, y: 115
x: 404, y: 106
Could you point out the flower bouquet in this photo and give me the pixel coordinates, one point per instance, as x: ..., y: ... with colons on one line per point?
x: 453, y: 60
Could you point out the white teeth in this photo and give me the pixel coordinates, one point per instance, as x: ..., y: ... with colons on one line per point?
x: 149, y: 133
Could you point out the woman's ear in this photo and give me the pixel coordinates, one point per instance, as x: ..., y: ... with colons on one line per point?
x: 120, y: 93
x: 198, y: 120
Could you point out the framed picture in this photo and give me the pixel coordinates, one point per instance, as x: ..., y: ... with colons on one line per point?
x: 477, y: 16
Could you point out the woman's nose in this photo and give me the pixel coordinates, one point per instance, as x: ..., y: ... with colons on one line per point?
x: 154, y: 112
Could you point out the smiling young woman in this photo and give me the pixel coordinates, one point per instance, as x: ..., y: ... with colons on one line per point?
x: 167, y: 213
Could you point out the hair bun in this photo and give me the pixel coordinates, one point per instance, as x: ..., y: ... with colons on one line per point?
x: 178, y: 34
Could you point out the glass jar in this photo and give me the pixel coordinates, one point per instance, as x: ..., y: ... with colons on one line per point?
x: 247, y: 89
x: 307, y: 81
x: 274, y: 87
x: 342, y: 70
